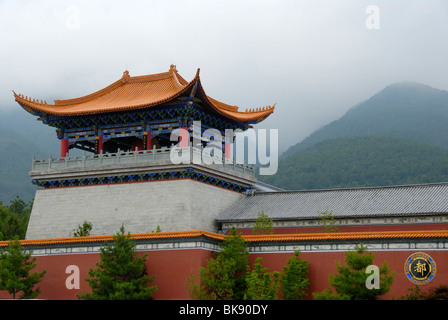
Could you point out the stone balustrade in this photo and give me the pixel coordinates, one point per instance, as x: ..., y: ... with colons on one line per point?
x: 141, y: 157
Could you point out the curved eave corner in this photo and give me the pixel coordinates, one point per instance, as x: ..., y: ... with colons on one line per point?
x: 250, y: 116
x: 25, y: 103
x: 192, y: 88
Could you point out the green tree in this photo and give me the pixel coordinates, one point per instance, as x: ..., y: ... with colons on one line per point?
x: 18, y: 206
x: 294, y: 280
x: 83, y: 230
x: 14, y: 219
x: 15, y: 267
x: 350, y: 281
x: 261, y: 284
x: 235, y: 248
x: 328, y: 294
x: 328, y: 221
x: 414, y: 293
x: 263, y: 224
x: 121, y: 273
x: 435, y: 293
x: 224, y: 277
x: 215, y: 280
x: 438, y: 293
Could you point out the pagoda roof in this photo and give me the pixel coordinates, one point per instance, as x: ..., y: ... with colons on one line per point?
x: 140, y: 92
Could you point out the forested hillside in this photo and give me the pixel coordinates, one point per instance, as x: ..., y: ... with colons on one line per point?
x: 406, y: 110
x: 21, y: 137
x: 398, y: 136
x: 359, y: 162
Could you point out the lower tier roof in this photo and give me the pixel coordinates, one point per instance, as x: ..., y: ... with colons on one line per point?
x: 405, y: 200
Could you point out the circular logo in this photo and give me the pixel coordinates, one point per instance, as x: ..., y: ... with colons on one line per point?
x: 420, y: 268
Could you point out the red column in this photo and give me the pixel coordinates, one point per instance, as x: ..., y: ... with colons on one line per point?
x: 64, y: 148
x: 98, y: 144
x: 184, y: 137
x: 147, y: 140
x: 228, y: 151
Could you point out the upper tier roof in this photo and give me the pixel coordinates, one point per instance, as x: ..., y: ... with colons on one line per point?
x: 133, y: 93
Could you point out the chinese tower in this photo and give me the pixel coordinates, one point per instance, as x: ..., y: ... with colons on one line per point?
x: 125, y: 175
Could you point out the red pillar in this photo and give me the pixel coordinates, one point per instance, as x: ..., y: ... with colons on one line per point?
x: 64, y: 148
x: 98, y: 144
x: 147, y: 140
x: 184, y: 137
x: 228, y: 151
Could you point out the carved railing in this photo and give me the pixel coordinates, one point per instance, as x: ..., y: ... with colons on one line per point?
x: 142, y: 157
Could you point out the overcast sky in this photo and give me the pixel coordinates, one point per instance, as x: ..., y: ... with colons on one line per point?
x: 315, y: 59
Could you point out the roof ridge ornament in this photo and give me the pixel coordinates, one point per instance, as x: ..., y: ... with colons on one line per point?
x: 125, y: 78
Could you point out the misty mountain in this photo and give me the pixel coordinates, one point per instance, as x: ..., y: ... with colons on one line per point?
x: 398, y: 136
x: 21, y: 137
x: 16, y: 154
x: 406, y: 110
x: 361, y: 161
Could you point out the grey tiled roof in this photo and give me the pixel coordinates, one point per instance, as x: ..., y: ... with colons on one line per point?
x: 264, y: 187
x: 359, y: 202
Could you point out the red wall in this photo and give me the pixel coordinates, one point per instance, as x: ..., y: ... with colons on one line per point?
x: 172, y: 267
x: 321, y: 265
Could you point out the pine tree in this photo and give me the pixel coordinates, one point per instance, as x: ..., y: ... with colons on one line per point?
x: 121, y: 273
x: 224, y: 277
x: 261, y: 284
x: 350, y: 281
x: 294, y: 280
x: 15, y: 267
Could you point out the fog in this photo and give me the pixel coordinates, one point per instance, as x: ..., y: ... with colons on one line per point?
x: 314, y: 59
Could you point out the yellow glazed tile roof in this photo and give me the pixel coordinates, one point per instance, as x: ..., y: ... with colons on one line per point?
x: 251, y: 238
x: 131, y: 93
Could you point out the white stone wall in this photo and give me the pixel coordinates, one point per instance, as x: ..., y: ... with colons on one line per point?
x: 174, y: 205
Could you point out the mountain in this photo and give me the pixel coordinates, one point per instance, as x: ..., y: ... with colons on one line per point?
x: 406, y: 110
x: 21, y: 137
x: 15, y: 158
x: 361, y: 161
x: 398, y: 136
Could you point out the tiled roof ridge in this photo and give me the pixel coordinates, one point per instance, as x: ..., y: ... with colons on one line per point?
x: 179, y: 82
x: 180, y: 86
x: 364, y: 235
x: 261, y: 193
x: 250, y: 238
x: 29, y: 103
x: 105, y: 238
x: 122, y: 81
